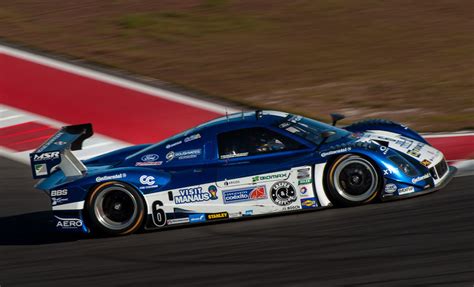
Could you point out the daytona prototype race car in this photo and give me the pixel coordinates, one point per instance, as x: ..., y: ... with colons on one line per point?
x: 240, y: 165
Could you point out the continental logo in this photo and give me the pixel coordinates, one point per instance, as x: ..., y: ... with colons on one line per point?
x: 219, y: 215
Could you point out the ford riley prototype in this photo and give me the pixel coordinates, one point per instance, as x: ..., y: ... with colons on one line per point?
x: 241, y: 165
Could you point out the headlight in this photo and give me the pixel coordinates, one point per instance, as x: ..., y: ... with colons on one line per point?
x: 403, y: 165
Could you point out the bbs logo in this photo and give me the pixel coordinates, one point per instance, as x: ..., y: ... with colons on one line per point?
x: 59, y: 192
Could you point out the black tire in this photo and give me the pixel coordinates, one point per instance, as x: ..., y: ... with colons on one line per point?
x: 115, y: 209
x: 352, y: 180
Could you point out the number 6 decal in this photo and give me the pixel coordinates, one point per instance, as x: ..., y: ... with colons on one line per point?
x: 158, y: 214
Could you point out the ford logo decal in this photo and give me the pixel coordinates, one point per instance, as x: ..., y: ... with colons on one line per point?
x: 150, y: 157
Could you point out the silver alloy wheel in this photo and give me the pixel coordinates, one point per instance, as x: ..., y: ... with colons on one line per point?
x: 355, y: 179
x: 115, y: 208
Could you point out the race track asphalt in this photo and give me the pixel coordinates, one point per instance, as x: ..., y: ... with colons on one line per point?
x: 423, y: 241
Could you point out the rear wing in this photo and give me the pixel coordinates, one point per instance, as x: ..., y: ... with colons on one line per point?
x: 56, y: 151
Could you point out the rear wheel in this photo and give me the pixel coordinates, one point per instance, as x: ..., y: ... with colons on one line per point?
x: 353, y: 180
x: 115, y: 209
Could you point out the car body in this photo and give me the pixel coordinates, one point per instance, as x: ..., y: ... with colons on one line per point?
x: 240, y: 165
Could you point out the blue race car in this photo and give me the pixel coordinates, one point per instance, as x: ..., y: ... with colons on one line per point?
x: 241, y: 165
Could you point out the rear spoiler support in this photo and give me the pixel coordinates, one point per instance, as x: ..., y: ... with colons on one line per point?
x: 56, y: 151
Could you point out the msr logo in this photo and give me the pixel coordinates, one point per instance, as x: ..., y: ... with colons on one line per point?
x: 46, y: 156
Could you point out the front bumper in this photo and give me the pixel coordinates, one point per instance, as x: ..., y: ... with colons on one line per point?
x: 448, y: 177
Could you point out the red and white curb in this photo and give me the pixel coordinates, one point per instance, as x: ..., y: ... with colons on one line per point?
x: 22, y: 132
x: 38, y: 95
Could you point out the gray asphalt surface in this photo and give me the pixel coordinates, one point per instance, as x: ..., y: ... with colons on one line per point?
x: 424, y: 241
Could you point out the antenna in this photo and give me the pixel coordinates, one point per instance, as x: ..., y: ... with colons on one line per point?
x: 242, y: 113
x: 226, y: 114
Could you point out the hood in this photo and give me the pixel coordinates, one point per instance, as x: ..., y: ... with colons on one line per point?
x: 421, y: 152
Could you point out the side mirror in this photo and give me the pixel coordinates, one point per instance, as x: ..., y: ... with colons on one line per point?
x: 325, y: 135
x: 336, y: 118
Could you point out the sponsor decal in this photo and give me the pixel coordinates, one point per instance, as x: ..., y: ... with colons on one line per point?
x: 178, y: 220
x: 170, y: 156
x: 46, y: 156
x: 346, y: 149
x: 283, y: 193
x: 226, y: 156
x: 59, y: 192
x: 235, y: 214
x: 405, y: 190
x: 284, y: 125
x: 41, y: 169
x: 51, y: 140
x: 303, y: 190
x: 58, y: 200
x: 384, y: 149
x: 232, y: 182
x: 148, y: 163
x: 195, y: 218
x: 60, y: 142
x: 212, y: 191
x: 192, y: 137
x: 308, y: 203
x: 303, y: 173
x: 387, y: 171
x: 269, y: 177
x: 150, y: 157
x: 416, y: 150
x: 426, y: 162
x: 219, y: 215
x: 404, y: 143
x: 148, y: 181
x: 420, y: 178
x: 305, y: 181
x: 390, y: 188
x: 68, y: 223
x: 193, y: 194
x: 248, y: 212
x: 291, y: 207
x: 168, y: 146
x: 110, y: 177
x: 187, y: 154
x: 245, y: 194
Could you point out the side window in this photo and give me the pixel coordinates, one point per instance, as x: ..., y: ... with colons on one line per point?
x: 253, y: 141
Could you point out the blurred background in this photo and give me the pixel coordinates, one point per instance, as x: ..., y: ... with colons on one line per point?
x: 409, y: 61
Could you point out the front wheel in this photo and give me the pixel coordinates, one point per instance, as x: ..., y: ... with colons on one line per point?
x: 115, y: 209
x: 352, y: 180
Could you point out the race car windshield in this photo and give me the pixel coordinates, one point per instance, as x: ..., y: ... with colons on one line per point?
x: 311, y: 130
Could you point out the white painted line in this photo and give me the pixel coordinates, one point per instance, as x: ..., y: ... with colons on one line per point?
x: 58, y: 124
x: 96, y: 145
x: 114, y: 80
x: 11, y: 117
x: 22, y: 157
x: 448, y: 135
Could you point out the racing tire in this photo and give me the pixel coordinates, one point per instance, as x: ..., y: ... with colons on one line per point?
x: 115, y: 209
x: 353, y: 180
